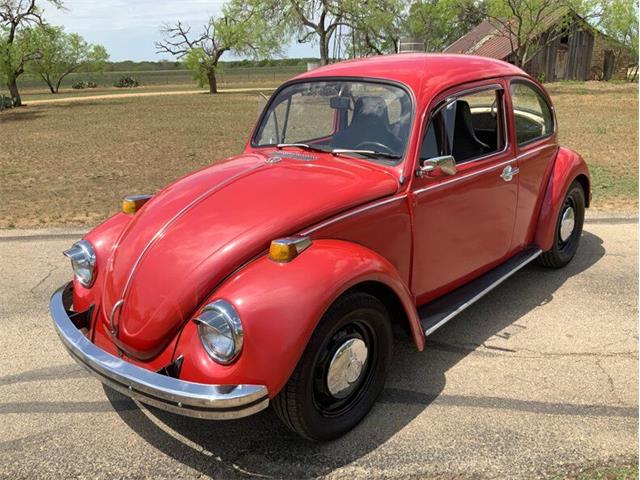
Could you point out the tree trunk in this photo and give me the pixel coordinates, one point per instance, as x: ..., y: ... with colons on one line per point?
x: 12, y: 85
x: 324, y: 49
x: 213, y: 82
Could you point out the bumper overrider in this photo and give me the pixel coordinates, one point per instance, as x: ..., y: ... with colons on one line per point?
x: 178, y: 396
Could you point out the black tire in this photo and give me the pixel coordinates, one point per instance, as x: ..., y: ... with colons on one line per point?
x: 305, y: 404
x: 563, y: 251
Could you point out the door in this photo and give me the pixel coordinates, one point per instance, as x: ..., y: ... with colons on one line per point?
x: 561, y: 64
x: 464, y: 222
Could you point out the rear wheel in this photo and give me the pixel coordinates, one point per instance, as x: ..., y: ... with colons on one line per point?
x: 568, y: 229
x: 341, y: 372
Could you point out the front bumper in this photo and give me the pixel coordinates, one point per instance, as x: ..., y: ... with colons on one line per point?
x: 178, y: 396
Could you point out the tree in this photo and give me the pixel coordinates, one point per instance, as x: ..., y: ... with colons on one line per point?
x: 307, y: 20
x: 61, y: 54
x: 236, y: 32
x: 376, y: 26
x: 530, y: 25
x: 17, y: 47
x: 619, y: 20
x: 441, y: 22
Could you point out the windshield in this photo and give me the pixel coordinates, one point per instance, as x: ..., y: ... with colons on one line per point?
x: 360, y: 118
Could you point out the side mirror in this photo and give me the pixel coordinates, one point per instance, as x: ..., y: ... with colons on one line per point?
x: 446, y: 164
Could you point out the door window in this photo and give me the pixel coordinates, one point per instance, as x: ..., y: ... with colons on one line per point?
x: 467, y: 127
x: 532, y: 113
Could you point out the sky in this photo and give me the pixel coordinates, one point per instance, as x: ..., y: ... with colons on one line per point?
x: 128, y: 28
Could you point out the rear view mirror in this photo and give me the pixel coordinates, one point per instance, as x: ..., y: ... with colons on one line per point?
x: 340, y: 103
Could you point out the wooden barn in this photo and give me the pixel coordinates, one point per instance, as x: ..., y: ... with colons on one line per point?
x: 573, y: 50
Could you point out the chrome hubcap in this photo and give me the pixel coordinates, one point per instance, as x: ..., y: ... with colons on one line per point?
x: 346, y: 368
x: 567, y: 224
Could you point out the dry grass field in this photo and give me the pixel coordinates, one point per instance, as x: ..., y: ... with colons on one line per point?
x: 70, y: 163
x: 600, y: 121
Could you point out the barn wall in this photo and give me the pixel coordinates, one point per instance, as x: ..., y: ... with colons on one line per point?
x: 578, y: 55
x: 622, y: 58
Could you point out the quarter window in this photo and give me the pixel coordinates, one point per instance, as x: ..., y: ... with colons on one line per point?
x: 467, y: 127
x: 532, y: 113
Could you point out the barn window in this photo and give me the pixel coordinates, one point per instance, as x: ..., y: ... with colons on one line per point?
x: 532, y: 113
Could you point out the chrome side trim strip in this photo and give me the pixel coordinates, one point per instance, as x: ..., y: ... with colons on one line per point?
x: 178, y: 396
x: 519, y: 158
x: 471, y: 175
x: 481, y: 294
x: 351, y: 213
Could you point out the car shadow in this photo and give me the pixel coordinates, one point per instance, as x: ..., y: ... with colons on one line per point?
x: 261, y: 446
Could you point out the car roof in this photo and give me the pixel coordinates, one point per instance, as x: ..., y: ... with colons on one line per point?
x: 424, y: 73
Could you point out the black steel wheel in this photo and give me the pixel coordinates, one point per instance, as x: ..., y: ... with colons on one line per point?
x: 568, y: 229
x: 342, y: 370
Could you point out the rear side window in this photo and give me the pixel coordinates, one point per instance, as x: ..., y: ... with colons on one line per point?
x: 532, y: 113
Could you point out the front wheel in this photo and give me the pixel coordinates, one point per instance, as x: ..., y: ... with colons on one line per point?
x: 568, y: 229
x: 341, y: 372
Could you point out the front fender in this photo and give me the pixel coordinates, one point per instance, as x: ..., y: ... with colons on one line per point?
x: 280, y: 305
x: 103, y: 238
x: 568, y: 167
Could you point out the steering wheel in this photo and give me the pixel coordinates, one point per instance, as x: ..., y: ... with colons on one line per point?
x: 377, y: 147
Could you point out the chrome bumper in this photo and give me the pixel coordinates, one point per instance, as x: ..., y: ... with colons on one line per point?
x: 178, y: 396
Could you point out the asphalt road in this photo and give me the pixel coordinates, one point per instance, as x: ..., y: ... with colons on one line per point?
x: 539, y: 377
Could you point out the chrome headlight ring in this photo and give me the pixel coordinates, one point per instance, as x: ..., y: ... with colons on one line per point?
x: 83, y: 262
x: 220, y: 331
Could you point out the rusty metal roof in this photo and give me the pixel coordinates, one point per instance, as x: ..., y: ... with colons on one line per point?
x: 490, y: 39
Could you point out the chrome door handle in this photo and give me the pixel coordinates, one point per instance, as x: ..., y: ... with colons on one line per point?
x: 509, y: 172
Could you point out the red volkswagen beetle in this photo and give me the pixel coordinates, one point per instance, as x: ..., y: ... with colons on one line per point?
x: 391, y: 190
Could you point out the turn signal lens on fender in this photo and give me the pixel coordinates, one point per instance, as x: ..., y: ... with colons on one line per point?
x: 286, y: 249
x: 132, y: 203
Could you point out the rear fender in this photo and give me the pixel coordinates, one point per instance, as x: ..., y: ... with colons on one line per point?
x: 280, y: 305
x: 568, y: 167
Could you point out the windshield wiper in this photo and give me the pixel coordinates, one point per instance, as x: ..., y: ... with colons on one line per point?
x: 366, y: 153
x: 304, y: 146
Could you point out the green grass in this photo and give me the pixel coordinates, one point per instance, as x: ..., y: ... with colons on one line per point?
x: 612, y: 182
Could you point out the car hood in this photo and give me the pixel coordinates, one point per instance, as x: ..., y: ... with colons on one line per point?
x: 194, y: 233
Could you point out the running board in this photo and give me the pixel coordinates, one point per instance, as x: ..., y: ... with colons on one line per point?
x: 435, y: 314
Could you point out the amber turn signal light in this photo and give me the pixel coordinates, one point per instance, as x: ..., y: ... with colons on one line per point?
x: 132, y: 203
x: 286, y: 249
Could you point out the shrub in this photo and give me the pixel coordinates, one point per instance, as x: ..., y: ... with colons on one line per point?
x: 127, y: 82
x: 5, y: 102
x: 83, y: 84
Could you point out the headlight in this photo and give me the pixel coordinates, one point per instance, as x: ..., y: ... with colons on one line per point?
x: 83, y: 262
x: 220, y: 331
